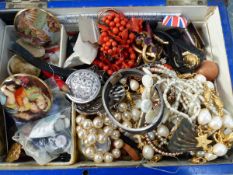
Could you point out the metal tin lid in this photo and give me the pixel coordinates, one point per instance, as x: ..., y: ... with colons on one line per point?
x: 84, y: 85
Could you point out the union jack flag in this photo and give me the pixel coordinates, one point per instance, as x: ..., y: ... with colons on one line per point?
x: 175, y: 21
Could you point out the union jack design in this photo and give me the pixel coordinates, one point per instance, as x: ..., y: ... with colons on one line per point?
x: 175, y: 21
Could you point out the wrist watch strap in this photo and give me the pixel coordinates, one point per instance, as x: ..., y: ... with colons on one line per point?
x: 27, y: 56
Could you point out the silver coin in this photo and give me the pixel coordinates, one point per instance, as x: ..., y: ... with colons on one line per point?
x: 84, y: 85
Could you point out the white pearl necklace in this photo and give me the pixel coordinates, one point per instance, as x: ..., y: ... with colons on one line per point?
x: 97, y: 136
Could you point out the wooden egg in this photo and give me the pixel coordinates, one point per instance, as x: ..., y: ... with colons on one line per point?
x: 209, y: 69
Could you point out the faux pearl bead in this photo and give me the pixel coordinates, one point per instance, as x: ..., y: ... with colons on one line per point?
x: 210, y: 156
x: 150, y: 116
x: 90, y: 152
x: 118, y: 143
x: 146, y: 94
x: 200, y: 154
x: 151, y: 135
x: 138, y: 104
x: 127, y: 124
x: 215, y: 123
x: 116, y: 153
x: 123, y: 81
x: 204, y: 117
x: 98, y: 158
x: 108, y: 157
x: 134, y: 85
x: 200, y: 78
x: 219, y: 149
x: 210, y: 84
x: 126, y: 116
x: 147, y: 81
x: 135, y: 114
x: 78, y: 128
x: 117, y: 116
x: 80, y: 118
x: 98, y: 122
x: 163, y: 131
x: 148, y: 152
x: 82, y: 133
x: 227, y: 121
x: 87, y: 124
x: 91, y: 138
x: 146, y: 105
x: 102, y: 138
x: 227, y: 131
x: 146, y: 70
x: 115, y: 134
x: 122, y: 107
x: 108, y: 130
x: 107, y: 121
x: 92, y: 131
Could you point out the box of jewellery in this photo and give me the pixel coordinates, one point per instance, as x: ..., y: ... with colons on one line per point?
x: 124, y: 86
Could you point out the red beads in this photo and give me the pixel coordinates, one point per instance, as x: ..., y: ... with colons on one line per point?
x: 115, y: 41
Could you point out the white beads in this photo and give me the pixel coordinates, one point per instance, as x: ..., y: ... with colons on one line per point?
x: 91, y: 139
x: 108, y: 130
x: 127, y: 115
x: 136, y: 114
x: 80, y: 118
x: 219, y: 149
x: 146, y: 94
x: 98, y: 122
x: 146, y: 105
x: 204, y: 117
x: 108, y: 157
x: 148, y: 152
x: 98, y: 137
x: 163, y: 131
x: 151, y: 135
x: 116, y: 153
x: 215, y: 123
x: 123, y: 81
x: 90, y: 152
x: 118, y: 143
x: 107, y: 121
x: 115, y: 134
x: 146, y: 70
x: 227, y: 131
x: 227, y: 121
x: 210, y: 84
x: 122, y: 107
x: 98, y: 158
x: 102, y: 138
x: 200, y: 78
x: 117, y: 116
x: 78, y: 128
x: 134, y: 85
x: 87, y: 124
x: 82, y: 133
x: 138, y: 104
x: 127, y: 124
x: 147, y: 81
x: 200, y: 154
x: 210, y: 156
x: 92, y: 130
x: 150, y: 116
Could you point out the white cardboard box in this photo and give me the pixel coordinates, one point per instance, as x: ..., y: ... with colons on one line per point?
x: 206, y: 18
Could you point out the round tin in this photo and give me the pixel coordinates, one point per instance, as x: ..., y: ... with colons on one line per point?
x: 84, y: 85
x: 28, y: 97
x: 36, y: 26
x: 17, y: 65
